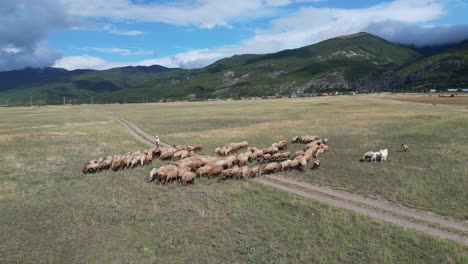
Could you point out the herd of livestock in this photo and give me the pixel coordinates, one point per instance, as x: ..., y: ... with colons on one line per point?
x: 231, y: 161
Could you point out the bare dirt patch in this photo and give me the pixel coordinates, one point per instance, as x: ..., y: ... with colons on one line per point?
x: 435, y: 99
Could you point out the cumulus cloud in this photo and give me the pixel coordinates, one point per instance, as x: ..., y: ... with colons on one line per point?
x: 85, y: 62
x: 23, y: 27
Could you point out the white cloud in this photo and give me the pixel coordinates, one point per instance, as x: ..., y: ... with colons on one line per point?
x: 85, y: 62
x: 202, y: 13
x: 113, y: 30
x: 119, y: 51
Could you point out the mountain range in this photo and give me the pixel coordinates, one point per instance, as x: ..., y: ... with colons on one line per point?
x: 360, y: 62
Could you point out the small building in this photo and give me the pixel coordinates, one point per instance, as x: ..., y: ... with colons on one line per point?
x: 432, y: 90
x: 452, y: 90
x: 465, y: 90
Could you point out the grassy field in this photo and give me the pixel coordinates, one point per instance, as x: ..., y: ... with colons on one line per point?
x: 432, y: 176
x: 51, y: 213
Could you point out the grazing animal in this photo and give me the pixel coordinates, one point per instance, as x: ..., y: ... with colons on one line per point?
x: 255, y: 171
x: 405, y: 147
x: 383, y: 154
x: 271, y: 168
x: 315, y: 165
x: 188, y: 177
x: 367, y: 156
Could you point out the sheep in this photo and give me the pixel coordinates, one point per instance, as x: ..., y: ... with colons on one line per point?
x: 285, y: 165
x: 305, y: 139
x: 188, y: 177
x: 315, y: 165
x: 264, y: 158
x: 171, y: 175
x: 134, y: 163
x: 142, y: 159
x: 298, y: 153
x: 319, y: 152
x: 245, y: 172
x: 271, y: 150
x: 299, y: 163
x: 367, y: 156
x: 283, y: 144
x: 215, y: 170
x: 187, y: 154
x: 149, y: 156
x: 229, y: 173
x: 383, y: 154
x: 281, y: 156
x: 153, y: 175
x: 166, y: 155
x: 203, y: 170
x: 271, y: 168
x: 243, y: 160
x: 255, y: 171
x: 155, y: 152
x: 179, y: 154
x: 161, y: 175
x: 405, y: 147
x: 90, y: 167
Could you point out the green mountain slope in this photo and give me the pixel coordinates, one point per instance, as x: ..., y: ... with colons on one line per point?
x: 360, y: 62
x: 444, y: 70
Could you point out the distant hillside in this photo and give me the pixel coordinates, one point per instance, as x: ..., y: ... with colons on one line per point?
x: 443, y: 70
x: 361, y: 62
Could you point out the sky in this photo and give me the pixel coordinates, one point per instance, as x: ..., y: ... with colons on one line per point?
x: 103, y: 34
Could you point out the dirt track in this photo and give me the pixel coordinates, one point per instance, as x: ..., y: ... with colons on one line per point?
x: 427, y: 222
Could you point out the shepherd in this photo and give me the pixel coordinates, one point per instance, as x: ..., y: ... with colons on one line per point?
x: 157, y: 141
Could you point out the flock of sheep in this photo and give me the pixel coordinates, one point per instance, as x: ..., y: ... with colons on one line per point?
x: 228, y: 165
x: 131, y: 160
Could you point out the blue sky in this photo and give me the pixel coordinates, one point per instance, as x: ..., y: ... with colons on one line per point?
x: 102, y: 34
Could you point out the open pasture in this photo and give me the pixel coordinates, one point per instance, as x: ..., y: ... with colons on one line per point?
x: 432, y: 176
x: 459, y: 99
x: 50, y: 212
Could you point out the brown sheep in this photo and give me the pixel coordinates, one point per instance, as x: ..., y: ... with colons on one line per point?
x: 299, y: 163
x: 285, y: 165
x: 171, y: 175
x: 298, y: 153
x: 229, y: 173
x: 166, y: 155
x: 179, y: 154
x: 245, y: 172
x: 255, y: 171
x: 271, y: 168
x: 203, y: 170
x: 215, y: 170
x: 188, y: 177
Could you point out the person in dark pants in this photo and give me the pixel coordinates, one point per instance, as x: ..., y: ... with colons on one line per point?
x: 157, y: 141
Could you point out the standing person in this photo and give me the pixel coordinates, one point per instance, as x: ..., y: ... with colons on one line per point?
x: 157, y: 141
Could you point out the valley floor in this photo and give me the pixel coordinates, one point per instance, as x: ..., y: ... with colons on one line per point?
x: 50, y: 212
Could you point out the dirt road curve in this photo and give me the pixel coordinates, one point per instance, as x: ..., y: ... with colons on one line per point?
x: 427, y: 222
